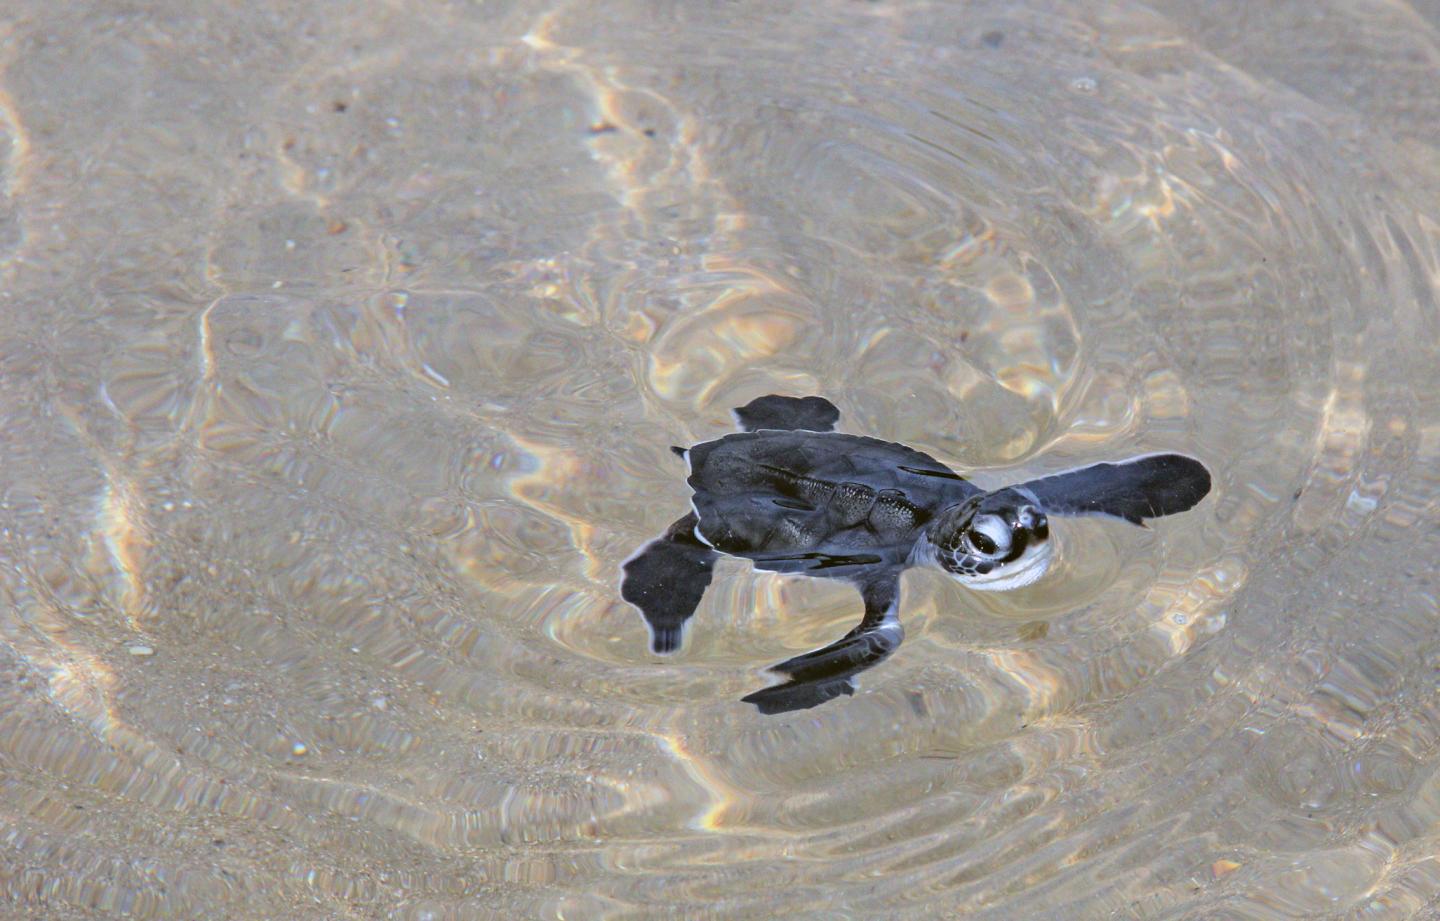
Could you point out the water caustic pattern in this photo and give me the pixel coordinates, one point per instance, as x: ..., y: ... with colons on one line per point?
x: 341, y: 352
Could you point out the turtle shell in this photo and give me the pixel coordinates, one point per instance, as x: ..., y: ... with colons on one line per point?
x: 823, y: 503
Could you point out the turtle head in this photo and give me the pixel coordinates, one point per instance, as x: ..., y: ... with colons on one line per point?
x: 992, y: 541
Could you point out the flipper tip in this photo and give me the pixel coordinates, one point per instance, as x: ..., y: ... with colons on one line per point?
x: 798, y: 695
x: 665, y: 641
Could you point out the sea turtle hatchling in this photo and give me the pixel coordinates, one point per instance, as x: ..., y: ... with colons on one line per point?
x: 794, y: 496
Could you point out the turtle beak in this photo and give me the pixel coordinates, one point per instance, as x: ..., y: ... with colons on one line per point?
x: 1032, y: 522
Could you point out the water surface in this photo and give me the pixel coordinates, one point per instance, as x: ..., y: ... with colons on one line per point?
x: 341, y: 350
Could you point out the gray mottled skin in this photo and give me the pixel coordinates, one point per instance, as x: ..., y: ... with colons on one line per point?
x: 795, y: 497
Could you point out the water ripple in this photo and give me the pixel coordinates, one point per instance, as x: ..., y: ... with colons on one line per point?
x: 341, y: 362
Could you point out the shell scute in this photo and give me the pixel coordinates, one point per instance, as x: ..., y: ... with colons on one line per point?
x: 769, y: 493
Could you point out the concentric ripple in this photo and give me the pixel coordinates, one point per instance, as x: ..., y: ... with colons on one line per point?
x: 343, y: 349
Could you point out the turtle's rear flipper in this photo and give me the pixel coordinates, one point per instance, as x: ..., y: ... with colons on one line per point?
x: 666, y: 580
x: 1142, y: 487
x: 810, y: 414
x: 829, y: 672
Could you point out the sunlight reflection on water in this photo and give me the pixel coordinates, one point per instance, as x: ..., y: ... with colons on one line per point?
x: 341, y: 359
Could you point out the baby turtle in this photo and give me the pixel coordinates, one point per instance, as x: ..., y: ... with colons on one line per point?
x: 794, y: 496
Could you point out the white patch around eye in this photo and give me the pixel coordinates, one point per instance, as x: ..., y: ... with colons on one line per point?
x: 995, y: 528
x: 1028, y: 568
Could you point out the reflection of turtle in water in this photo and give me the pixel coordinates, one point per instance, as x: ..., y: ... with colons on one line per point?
x: 794, y: 496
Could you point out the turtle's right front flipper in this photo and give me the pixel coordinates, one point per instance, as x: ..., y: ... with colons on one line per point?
x: 829, y: 672
x: 666, y: 579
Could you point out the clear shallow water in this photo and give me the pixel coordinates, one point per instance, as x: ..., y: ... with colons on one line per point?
x: 341, y: 355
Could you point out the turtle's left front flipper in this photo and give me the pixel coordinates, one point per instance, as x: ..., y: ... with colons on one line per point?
x: 1142, y: 487
x: 666, y: 580
x: 829, y: 672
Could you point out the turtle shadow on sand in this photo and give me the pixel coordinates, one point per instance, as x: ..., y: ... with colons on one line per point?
x: 794, y: 496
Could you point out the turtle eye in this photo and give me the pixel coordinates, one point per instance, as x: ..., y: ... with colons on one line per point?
x: 990, y: 536
x: 982, y: 543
